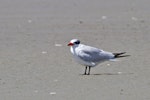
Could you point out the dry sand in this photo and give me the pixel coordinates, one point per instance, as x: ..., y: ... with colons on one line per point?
x: 36, y: 64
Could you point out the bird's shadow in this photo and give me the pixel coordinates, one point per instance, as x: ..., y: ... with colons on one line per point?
x: 107, y: 74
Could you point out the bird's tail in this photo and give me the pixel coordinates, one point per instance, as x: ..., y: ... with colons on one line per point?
x: 119, y: 55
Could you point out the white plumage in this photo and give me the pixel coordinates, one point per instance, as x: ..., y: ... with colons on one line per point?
x: 90, y: 56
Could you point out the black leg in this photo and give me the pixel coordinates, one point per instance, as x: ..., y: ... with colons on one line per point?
x: 85, y: 70
x: 89, y: 70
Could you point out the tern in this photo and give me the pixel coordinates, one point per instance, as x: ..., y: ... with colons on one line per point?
x: 91, y: 56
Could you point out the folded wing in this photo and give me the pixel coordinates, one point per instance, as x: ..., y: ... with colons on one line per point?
x: 91, y: 54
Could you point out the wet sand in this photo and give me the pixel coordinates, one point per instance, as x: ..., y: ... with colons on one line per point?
x: 36, y: 64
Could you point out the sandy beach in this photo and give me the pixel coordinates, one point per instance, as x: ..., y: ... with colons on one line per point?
x: 36, y: 63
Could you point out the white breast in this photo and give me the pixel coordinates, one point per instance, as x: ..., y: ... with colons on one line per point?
x: 74, y: 51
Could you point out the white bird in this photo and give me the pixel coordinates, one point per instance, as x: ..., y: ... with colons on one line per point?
x: 91, y: 56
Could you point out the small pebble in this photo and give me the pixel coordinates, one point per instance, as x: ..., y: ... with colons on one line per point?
x: 52, y: 93
x: 44, y: 52
x: 29, y: 21
x: 134, y: 18
x: 104, y: 17
x: 55, y: 80
x: 58, y: 45
x: 108, y: 64
x: 80, y: 22
x: 36, y: 91
x: 119, y: 72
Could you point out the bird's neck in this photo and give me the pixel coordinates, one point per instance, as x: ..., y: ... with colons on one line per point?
x: 73, y: 48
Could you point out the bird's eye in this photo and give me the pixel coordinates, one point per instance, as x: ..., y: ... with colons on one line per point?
x: 78, y: 42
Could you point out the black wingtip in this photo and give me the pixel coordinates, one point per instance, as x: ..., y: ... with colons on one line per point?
x: 123, y: 56
x: 119, y: 55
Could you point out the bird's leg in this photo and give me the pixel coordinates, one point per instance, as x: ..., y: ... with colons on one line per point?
x: 85, y: 70
x: 89, y: 70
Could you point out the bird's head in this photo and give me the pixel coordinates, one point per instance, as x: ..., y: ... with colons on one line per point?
x: 74, y: 42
